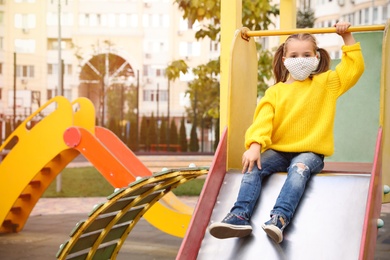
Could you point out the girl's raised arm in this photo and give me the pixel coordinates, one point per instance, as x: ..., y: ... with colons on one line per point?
x: 341, y: 28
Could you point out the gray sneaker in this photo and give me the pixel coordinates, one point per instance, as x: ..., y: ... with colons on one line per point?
x: 231, y: 226
x: 274, y: 228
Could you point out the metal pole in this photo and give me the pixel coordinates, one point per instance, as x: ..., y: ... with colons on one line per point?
x: 137, y: 123
x: 157, y: 99
x: 168, y: 115
x: 58, y: 178
x: 14, y: 106
x: 59, y: 49
x: 249, y: 33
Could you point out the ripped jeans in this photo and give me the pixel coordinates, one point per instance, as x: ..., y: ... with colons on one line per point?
x: 299, y: 168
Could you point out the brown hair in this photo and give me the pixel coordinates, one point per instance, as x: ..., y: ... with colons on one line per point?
x: 280, y: 71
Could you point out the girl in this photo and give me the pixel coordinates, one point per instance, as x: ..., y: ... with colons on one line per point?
x: 292, y: 129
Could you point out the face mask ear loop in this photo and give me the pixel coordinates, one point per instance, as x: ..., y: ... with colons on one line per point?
x: 318, y: 54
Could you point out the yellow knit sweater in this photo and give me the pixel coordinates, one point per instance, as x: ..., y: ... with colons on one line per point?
x: 299, y: 117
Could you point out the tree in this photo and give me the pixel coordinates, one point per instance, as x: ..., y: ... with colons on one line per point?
x: 173, y: 135
x: 256, y: 15
x: 194, y: 141
x: 163, y: 131
x: 183, y: 136
x: 152, y: 131
x: 305, y: 18
x: 144, y: 133
x: 132, y: 141
x: 217, y: 129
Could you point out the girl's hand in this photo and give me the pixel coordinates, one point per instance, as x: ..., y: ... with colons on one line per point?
x: 341, y: 29
x: 250, y: 157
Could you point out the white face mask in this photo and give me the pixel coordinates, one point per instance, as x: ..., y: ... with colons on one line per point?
x: 301, y: 68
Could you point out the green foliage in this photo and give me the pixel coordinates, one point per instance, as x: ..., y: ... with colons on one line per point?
x: 163, y: 131
x: 152, y: 131
x: 216, y: 132
x: 194, y: 141
x: 120, y: 98
x: 305, y: 18
x: 173, y: 134
x: 204, y: 92
x: 144, y: 141
x: 113, y: 125
x: 132, y: 141
x: 183, y: 136
x: 175, y: 68
x: 256, y: 15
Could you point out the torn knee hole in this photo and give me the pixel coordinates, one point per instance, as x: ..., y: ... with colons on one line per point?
x: 301, y: 166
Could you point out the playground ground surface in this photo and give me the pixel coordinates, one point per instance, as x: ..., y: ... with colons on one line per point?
x: 53, y: 219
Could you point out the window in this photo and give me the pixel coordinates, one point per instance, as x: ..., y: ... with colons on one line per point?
x: 25, y: 71
x: 92, y: 20
x: 1, y: 17
x: 133, y: 18
x: 68, y: 69
x: 51, y: 93
x: 24, y: 1
x: 122, y: 20
x: 1, y: 43
x: 25, y: 45
x: 25, y: 21
x: 52, y: 44
x: 52, y: 69
x: 154, y: 95
x: 1, y: 68
x: 111, y: 20
x: 165, y: 20
x: 146, y: 70
x: 366, y: 15
x: 375, y: 15
x: 188, y: 49
x: 145, y: 20
x: 66, y: 19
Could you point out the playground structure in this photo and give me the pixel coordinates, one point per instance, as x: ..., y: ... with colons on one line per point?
x: 61, y: 136
x: 48, y: 146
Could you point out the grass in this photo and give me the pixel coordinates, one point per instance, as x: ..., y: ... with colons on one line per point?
x: 88, y: 182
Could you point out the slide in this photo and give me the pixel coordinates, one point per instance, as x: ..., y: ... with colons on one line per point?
x: 35, y: 153
x: 335, y: 220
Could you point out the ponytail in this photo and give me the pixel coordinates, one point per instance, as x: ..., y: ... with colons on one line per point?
x: 280, y: 71
x: 324, y: 64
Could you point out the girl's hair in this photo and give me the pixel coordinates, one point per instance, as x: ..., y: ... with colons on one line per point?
x: 280, y: 71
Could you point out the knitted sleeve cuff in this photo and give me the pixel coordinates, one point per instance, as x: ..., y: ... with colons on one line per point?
x: 353, y: 47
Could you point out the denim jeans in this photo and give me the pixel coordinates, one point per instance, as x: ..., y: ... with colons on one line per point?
x: 299, y: 168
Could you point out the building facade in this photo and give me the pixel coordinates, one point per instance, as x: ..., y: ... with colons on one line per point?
x: 101, y: 44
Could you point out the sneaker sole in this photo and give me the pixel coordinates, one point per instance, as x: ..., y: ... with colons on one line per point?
x: 223, y: 230
x: 273, y: 232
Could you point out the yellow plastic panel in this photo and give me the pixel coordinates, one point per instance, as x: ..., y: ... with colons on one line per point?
x: 35, y: 149
x: 84, y: 114
x: 230, y: 21
x: 242, y: 95
x: 385, y: 110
